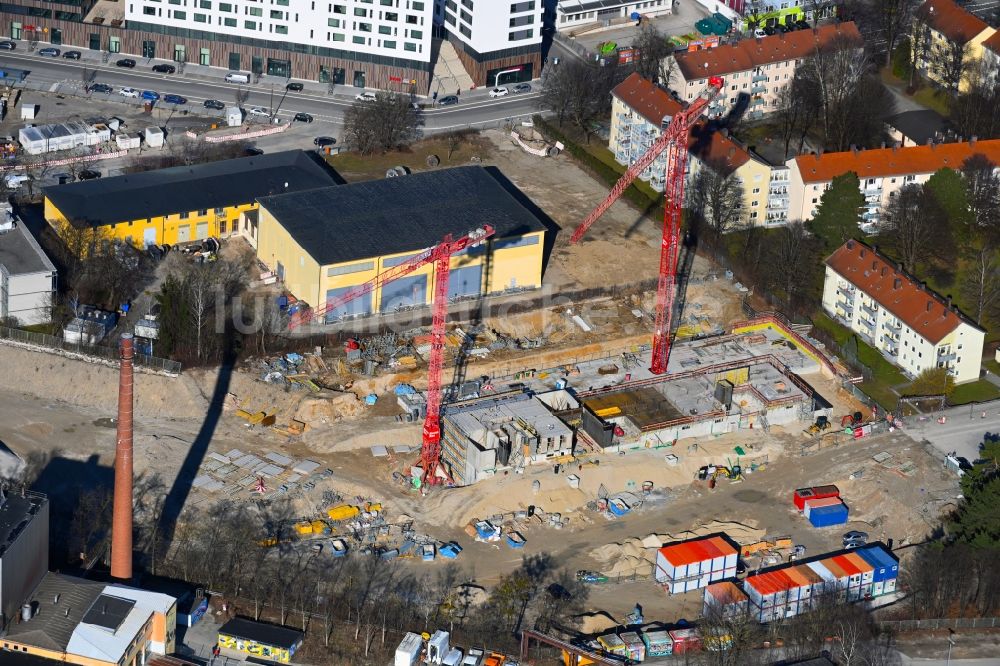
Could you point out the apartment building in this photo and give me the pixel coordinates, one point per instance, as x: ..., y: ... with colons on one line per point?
x: 950, y: 27
x: 882, y: 172
x: 638, y: 110
x: 757, y: 69
x: 575, y: 13
x: 910, y: 325
x: 498, y: 41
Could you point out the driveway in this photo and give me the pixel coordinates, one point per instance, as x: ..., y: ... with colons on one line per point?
x: 962, y: 430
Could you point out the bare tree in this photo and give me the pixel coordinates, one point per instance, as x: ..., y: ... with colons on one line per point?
x: 792, y: 117
x: 580, y: 92
x: 976, y: 111
x: 654, y: 58
x: 920, y: 46
x: 914, y: 226
x: 983, y: 187
x: 834, y: 75
x: 949, y: 61
x: 893, y: 18
x: 717, y: 201
x: 981, y: 283
x: 385, y: 123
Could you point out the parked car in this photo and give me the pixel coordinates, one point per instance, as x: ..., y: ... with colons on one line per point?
x: 448, y: 100
x: 164, y: 69
x: 174, y: 99
x: 259, y: 111
x: 854, y: 539
x: 499, y: 92
x: 72, y: 55
x: 88, y: 174
x: 303, y: 117
x: 49, y: 52
x: 129, y: 92
x: 759, y: 32
x: 769, y: 30
x: 522, y: 88
x: 151, y: 95
x: 8, y: 46
x: 125, y: 62
x: 214, y: 104
x: 294, y: 87
x: 324, y: 141
x: 366, y: 96
x: 100, y: 88
x: 802, y: 25
x: 253, y: 151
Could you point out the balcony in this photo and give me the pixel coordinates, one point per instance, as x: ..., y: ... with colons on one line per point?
x: 758, y: 78
x: 758, y: 90
x: 893, y: 325
x: 757, y: 101
x: 870, y: 311
x: 946, y: 358
x: 869, y: 324
x: 778, y: 190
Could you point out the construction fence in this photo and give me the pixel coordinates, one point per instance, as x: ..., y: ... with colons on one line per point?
x: 45, y: 343
x: 942, y: 623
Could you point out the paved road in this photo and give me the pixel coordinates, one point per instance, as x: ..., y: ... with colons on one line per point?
x: 961, y: 432
x: 199, y: 83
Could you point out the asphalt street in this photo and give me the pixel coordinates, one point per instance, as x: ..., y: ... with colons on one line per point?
x: 962, y: 430
x: 199, y: 83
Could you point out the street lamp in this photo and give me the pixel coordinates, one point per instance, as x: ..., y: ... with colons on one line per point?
x: 951, y: 644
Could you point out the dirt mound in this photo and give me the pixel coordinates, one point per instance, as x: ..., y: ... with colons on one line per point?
x: 329, y: 409
x: 596, y: 622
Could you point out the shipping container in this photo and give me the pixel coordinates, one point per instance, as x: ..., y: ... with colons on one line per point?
x: 829, y: 516
x: 829, y: 579
x: 409, y: 649
x: 811, y: 504
x: 841, y: 576
x: 685, y: 640
x: 878, y: 567
x: 862, y: 565
x: 658, y: 643
x: 695, y: 564
x: 636, y: 649
x: 888, y: 563
x: 611, y: 643
x: 817, y: 492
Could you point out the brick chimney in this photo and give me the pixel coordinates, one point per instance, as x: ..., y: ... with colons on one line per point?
x: 121, y: 525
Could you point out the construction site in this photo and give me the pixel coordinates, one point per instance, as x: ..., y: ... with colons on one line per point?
x: 591, y: 420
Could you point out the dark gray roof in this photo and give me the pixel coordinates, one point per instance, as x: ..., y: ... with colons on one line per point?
x: 109, y: 612
x: 51, y: 627
x: 16, y: 513
x: 182, y: 189
x: 268, y: 634
x: 920, y: 126
x: 20, y: 252
x: 397, y: 215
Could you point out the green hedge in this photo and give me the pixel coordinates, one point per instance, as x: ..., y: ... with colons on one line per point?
x: 605, y: 172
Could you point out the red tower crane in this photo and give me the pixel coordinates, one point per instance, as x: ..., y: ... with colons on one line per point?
x: 674, y: 140
x: 440, y: 255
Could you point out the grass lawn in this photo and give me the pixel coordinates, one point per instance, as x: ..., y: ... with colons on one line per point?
x: 48, y: 328
x: 926, y: 95
x: 978, y: 391
x: 355, y: 167
x: 992, y: 366
x: 884, y: 374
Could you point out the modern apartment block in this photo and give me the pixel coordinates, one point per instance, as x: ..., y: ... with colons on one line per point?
x: 575, y: 13
x: 913, y: 327
x: 639, y: 108
x: 756, y: 70
x: 498, y: 41
x: 882, y: 172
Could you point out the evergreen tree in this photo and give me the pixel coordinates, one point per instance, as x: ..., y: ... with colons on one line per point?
x: 839, y: 212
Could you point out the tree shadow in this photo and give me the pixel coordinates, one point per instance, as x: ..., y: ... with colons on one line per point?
x: 181, y: 489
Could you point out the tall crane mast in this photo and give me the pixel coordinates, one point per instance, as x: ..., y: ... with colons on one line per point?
x: 440, y: 255
x: 673, y: 140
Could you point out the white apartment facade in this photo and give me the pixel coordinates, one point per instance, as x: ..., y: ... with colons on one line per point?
x: 636, y: 106
x: 27, y: 276
x: 575, y: 13
x: 912, y: 327
x: 498, y: 41
x: 755, y: 70
x: 362, y: 43
x: 882, y: 172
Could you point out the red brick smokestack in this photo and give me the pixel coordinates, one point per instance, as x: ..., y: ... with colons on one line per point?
x: 121, y: 526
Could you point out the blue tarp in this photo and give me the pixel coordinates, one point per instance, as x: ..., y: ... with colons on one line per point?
x: 405, y: 389
x: 450, y: 550
x: 371, y: 399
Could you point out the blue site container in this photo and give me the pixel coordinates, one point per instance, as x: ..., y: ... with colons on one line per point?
x: 886, y: 560
x: 827, y: 516
x: 871, y: 555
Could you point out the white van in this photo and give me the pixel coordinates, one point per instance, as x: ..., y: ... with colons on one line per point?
x: 237, y: 77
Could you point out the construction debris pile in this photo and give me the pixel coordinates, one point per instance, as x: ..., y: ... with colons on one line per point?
x: 244, y: 476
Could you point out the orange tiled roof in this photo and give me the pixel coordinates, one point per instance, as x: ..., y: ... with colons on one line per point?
x: 923, y: 311
x: 880, y: 162
x: 950, y: 20
x: 651, y: 102
x: 750, y: 53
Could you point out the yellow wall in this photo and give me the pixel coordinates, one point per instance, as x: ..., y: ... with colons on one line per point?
x: 301, y: 272
x: 975, y: 53
x: 309, y: 282
x: 131, y: 656
x: 168, y: 228
x: 755, y: 175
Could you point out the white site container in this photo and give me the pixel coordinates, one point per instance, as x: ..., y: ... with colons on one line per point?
x: 408, y: 652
